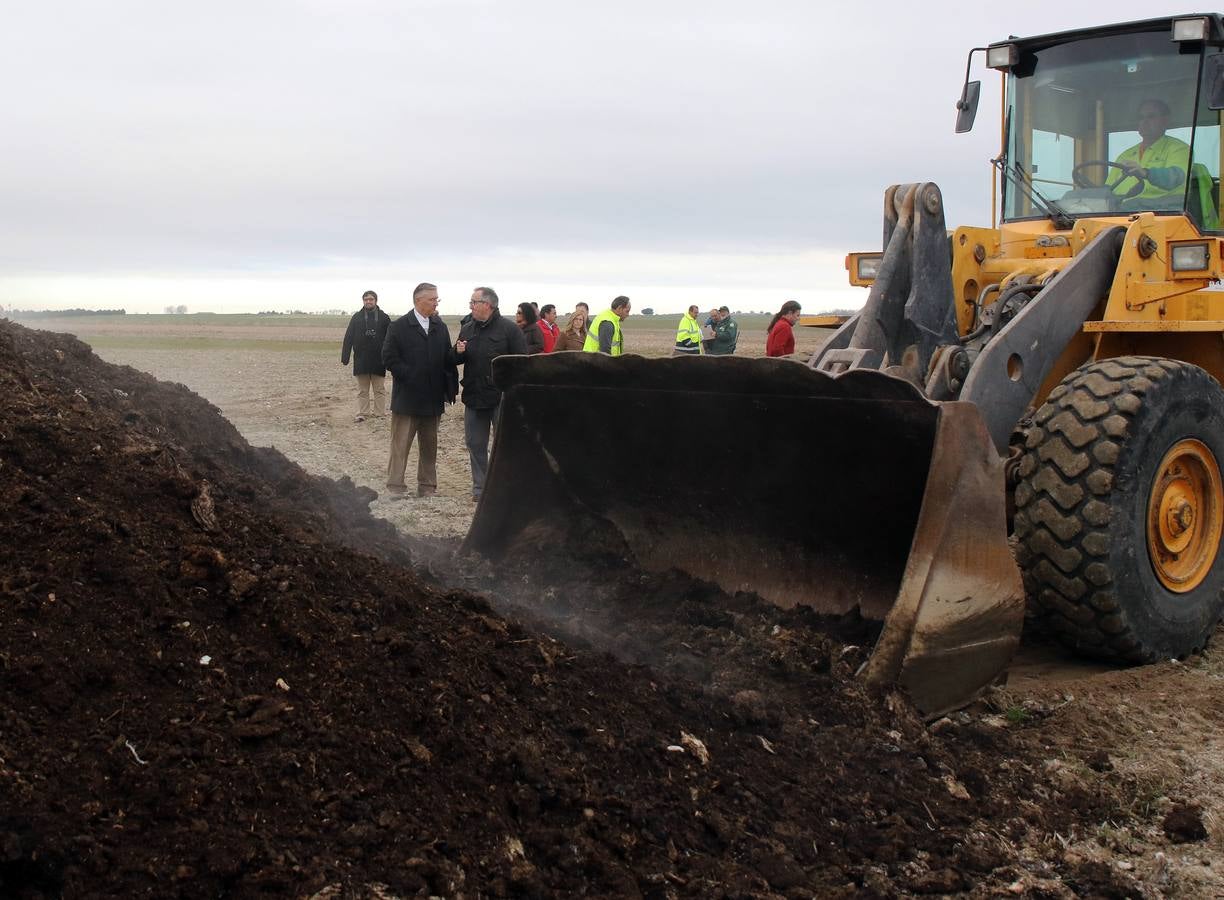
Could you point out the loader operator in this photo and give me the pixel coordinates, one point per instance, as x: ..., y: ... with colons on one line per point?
x: 604, y: 335
x: 1159, y: 159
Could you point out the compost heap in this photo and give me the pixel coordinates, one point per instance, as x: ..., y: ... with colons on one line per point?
x: 219, y: 676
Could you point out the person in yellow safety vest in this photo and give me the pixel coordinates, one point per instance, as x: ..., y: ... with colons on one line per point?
x: 605, y: 335
x: 688, y: 335
x: 1158, y: 161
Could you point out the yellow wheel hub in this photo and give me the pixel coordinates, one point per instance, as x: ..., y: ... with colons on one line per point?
x: 1185, y: 515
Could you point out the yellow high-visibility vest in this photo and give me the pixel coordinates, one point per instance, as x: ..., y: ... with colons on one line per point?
x: 592, y: 338
x: 1166, y: 152
x: 688, y: 336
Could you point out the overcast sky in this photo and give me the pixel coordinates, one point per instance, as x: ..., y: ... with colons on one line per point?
x: 240, y: 156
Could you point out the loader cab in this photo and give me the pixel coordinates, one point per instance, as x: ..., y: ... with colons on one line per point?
x: 1073, y: 126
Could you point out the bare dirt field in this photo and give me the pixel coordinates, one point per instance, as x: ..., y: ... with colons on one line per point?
x: 1080, y: 780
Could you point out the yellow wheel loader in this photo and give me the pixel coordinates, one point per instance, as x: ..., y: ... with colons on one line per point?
x: 1049, y: 386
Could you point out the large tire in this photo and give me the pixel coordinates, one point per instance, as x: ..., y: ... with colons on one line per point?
x: 1120, y: 508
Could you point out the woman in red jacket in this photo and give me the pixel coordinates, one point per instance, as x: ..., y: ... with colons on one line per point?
x: 781, y: 340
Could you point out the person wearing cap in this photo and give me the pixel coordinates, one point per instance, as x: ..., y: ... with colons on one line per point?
x: 363, y: 341
x: 726, y: 334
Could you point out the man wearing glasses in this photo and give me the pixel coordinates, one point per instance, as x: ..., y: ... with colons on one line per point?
x: 417, y: 352
x: 487, y: 336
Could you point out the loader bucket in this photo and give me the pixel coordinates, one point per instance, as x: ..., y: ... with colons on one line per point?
x: 762, y: 475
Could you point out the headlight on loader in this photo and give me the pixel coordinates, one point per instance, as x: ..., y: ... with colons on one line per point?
x: 864, y: 268
x: 1002, y: 56
x: 1190, y: 257
x: 1191, y: 29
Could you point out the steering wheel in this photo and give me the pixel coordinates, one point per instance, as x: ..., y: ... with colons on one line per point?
x: 1081, y: 180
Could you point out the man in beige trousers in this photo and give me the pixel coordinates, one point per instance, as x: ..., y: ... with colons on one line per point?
x: 424, y: 379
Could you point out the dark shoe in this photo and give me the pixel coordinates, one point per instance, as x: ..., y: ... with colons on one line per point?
x: 397, y: 489
x: 426, y: 491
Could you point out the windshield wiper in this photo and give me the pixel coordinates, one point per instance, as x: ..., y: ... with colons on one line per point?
x: 1018, y: 177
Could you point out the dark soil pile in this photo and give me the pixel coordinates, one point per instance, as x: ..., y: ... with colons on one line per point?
x: 218, y: 678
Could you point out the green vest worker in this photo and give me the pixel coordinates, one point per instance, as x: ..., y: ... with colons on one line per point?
x: 688, y: 334
x: 1161, y: 160
x: 1163, y: 166
x: 726, y: 334
x: 604, y: 335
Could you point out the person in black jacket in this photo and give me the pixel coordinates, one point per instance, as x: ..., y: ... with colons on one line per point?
x: 423, y: 380
x: 486, y: 336
x: 363, y: 340
x: 527, y: 318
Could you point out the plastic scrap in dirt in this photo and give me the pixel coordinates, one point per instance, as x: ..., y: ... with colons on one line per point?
x: 135, y: 755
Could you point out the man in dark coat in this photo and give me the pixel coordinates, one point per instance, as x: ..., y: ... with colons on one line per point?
x: 364, y: 340
x: 487, y: 336
x: 423, y: 380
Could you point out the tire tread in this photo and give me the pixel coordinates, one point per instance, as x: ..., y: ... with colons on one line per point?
x: 1062, y: 515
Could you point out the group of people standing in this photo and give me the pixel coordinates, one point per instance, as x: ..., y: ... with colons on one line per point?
x: 544, y: 335
x: 424, y: 365
x: 718, y: 336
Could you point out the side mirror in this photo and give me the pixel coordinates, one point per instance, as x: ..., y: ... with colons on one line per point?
x: 1215, y: 81
x: 966, y: 106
